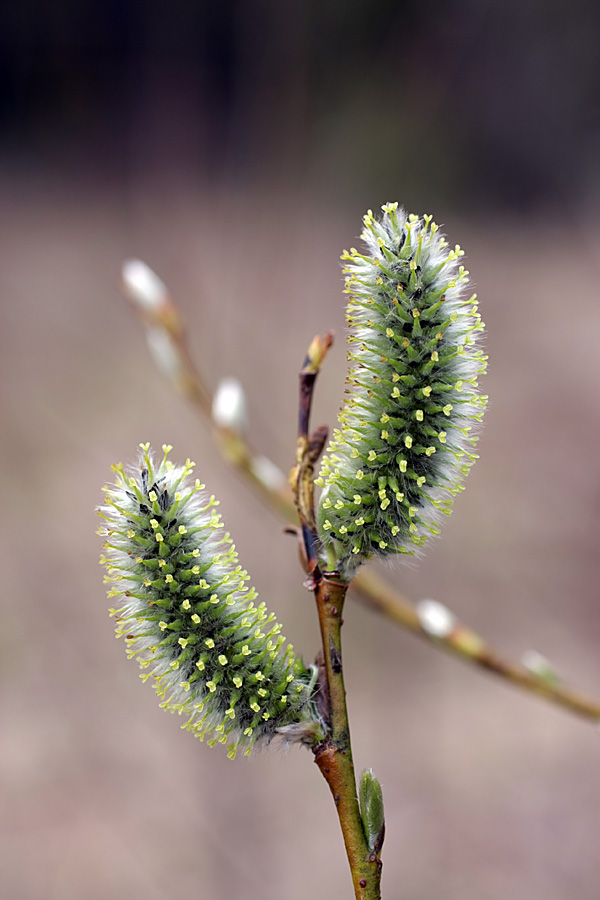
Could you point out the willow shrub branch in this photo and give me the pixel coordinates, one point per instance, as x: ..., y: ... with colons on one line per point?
x: 166, y: 337
x: 333, y: 754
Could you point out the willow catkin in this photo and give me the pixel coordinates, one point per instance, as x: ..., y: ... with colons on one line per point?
x: 188, y: 616
x: 406, y: 432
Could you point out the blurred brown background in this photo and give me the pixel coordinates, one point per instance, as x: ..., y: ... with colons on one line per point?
x: 234, y: 146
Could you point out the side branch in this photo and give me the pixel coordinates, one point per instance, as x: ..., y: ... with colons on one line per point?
x: 464, y: 643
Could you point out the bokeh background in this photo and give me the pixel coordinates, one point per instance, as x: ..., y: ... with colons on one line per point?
x: 234, y: 146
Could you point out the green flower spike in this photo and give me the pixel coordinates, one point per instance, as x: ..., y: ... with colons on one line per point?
x: 189, y: 617
x: 406, y: 429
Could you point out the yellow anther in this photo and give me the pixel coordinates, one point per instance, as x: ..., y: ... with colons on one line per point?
x: 372, y: 456
x: 442, y: 437
x: 245, y: 651
x: 177, y: 495
x: 359, y: 521
x: 196, y: 619
x: 395, y: 393
x: 357, y: 499
x: 427, y: 391
x: 399, y: 496
x: 183, y: 642
x: 435, y: 356
x: 211, y: 686
x: 402, y: 465
x: 196, y: 570
x: 159, y: 537
x: 412, y: 511
x: 222, y: 659
x: 408, y: 441
x: 200, y: 665
x: 360, y: 475
x: 209, y: 643
x: 174, y: 664
x: 389, y: 332
x: 447, y: 409
x: 419, y: 415
x: 421, y: 481
x: 130, y: 533
x: 152, y: 496
x: 182, y: 529
x: 339, y: 504
x: 162, y: 625
x: 343, y: 529
x: 395, y: 377
x: 384, y: 436
x: 327, y: 526
x: 168, y: 579
x: 154, y: 524
x: 429, y: 451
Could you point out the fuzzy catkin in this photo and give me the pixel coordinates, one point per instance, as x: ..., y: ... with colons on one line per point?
x: 406, y: 428
x: 188, y: 615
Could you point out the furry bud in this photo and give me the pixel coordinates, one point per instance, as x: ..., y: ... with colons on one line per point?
x: 189, y: 617
x: 405, y: 439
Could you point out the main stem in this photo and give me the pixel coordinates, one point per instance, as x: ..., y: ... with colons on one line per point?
x: 334, y: 755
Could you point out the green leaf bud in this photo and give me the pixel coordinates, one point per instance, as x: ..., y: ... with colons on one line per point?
x: 186, y: 612
x: 370, y: 799
x: 406, y: 434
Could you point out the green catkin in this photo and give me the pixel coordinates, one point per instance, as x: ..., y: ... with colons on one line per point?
x: 189, y: 617
x: 405, y: 439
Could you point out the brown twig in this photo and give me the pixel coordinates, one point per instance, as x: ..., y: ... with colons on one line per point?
x: 333, y: 755
x: 466, y: 644
x: 159, y: 315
